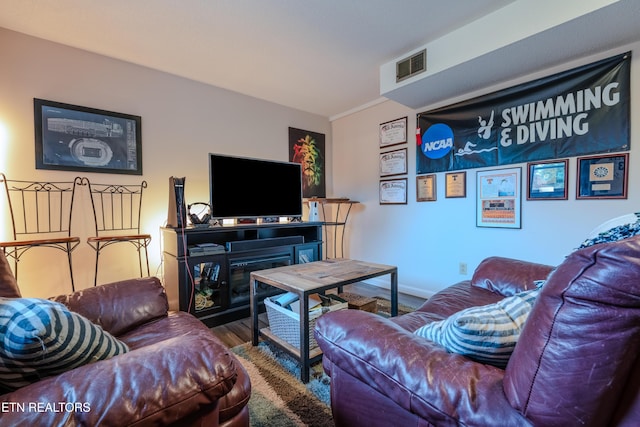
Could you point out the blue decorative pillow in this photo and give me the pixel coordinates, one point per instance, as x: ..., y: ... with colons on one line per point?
x: 40, y: 338
x: 616, y: 229
x: 487, y: 334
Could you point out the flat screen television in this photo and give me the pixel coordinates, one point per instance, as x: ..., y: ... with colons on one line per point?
x: 242, y: 187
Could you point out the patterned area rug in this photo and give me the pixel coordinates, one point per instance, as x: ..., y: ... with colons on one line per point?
x: 278, y: 398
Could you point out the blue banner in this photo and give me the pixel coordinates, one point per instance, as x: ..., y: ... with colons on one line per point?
x: 585, y: 110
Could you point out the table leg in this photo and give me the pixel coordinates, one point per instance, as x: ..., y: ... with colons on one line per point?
x: 394, y: 293
x: 304, y: 338
x: 253, y: 307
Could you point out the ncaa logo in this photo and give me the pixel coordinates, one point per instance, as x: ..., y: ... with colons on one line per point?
x: 437, y: 141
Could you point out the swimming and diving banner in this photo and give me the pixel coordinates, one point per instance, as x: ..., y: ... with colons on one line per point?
x: 581, y: 111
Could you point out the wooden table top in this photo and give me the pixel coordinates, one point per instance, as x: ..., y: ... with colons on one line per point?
x: 321, y: 274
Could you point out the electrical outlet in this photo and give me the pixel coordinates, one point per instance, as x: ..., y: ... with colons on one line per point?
x: 462, y: 268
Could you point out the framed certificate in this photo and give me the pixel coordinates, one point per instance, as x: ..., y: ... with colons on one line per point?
x: 393, y: 162
x: 455, y: 184
x: 393, y: 191
x: 603, y: 177
x: 498, y: 198
x: 393, y: 132
x: 426, y: 188
x: 547, y: 180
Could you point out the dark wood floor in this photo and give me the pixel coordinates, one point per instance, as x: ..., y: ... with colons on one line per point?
x: 239, y: 332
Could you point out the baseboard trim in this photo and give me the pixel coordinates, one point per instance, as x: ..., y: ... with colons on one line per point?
x: 409, y: 290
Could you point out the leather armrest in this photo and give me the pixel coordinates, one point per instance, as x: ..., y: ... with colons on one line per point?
x: 120, y: 306
x: 8, y: 286
x: 417, y: 374
x: 152, y: 385
x: 508, y: 276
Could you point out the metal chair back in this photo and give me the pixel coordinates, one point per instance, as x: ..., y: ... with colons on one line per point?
x: 40, y: 214
x: 39, y: 207
x: 116, y: 207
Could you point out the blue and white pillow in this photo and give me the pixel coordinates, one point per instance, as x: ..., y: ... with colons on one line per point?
x: 40, y: 338
x: 487, y: 334
x: 613, y: 230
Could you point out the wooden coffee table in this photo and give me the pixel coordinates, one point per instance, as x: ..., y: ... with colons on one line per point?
x: 310, y: 278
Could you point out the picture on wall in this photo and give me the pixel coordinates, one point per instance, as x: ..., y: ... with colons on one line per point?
x: 393, y: 191
x: 74, y: 138
x: 548, y: 180
x: 393, y: 162
x: 393, y: 132
x: 498, y: 198
x: 307, y: 148
x: 455, y: 184
x: 426, y: 188
x: 603, y: 177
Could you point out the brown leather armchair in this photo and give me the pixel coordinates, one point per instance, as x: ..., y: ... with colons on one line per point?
x: 176, y: 372
x: 576, y: 361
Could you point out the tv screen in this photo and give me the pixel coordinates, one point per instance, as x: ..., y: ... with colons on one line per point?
x: 243, y: 187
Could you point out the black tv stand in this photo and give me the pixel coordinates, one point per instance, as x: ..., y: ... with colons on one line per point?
x: 206, y: 269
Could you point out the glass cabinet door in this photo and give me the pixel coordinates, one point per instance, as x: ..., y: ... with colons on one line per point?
x: 210, y: 289
x: 307, y: 253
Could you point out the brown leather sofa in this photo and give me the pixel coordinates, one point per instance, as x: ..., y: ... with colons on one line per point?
x: 176, y: 372
x: 576, y: 362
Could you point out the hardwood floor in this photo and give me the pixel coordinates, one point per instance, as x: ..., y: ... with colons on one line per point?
x: 239, y: 332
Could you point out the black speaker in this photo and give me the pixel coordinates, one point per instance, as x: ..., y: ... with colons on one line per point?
x: 177, y: 215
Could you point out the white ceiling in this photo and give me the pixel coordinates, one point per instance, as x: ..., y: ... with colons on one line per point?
x: 319, y: 56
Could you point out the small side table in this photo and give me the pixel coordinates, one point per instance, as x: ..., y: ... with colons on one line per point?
x: 309, y: 278
x: 337, y: 222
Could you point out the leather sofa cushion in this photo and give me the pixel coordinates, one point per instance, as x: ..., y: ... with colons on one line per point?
x: 8, y: 286
x: 121, y: 306
x: 42, y: 338
x: 175, y: 367
x: 581, y: 341
x: 508, y: 276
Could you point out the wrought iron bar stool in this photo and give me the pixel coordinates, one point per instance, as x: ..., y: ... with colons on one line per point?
x: 41, y: 214
x: 116, y: 211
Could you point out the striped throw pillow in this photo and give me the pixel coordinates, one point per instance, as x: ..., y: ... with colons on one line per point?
x: 40, y: 338
x: 487, y: 334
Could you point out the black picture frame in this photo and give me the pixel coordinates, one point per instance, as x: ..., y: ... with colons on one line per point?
x: 74, y: 138
x: 603, y: 177
x: 455, y: 184
x: 308, y: 149
x: 548, y: 180
x: 393, y: 191
x: 393, y: 132
x: 426, y: 189
x: 393, y: 162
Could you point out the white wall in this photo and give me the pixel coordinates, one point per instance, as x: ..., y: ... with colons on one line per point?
x: 428, y: 240
x: 182, y: 121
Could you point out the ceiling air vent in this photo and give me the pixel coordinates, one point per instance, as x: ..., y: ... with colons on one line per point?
x: 409, y: 67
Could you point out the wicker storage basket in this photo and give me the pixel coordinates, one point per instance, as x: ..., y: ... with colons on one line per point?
x: 285, y: 323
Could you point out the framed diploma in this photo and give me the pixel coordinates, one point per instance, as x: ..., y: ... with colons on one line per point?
x: 393, y: 162
x: 603, y: 177
x: 455, y: 184
x: 498, y: 198
x: 547, y: 180
x: 393, y: 191
x: 426, y: 188
x: 393, y: 132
